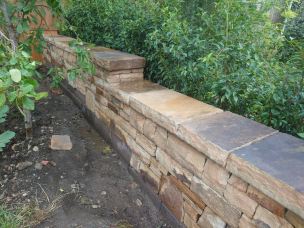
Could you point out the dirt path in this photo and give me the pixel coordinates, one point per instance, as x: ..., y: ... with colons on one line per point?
x: 96, y: 187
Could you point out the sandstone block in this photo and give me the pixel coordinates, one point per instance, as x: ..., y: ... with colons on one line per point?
x: 246, y: 222
x: 124, y: 115
x: 93, y: 88
x: 238, y: 183
x: 100, y: 91
x: 186, y: 155
x: 126, y: 126
x: 294, y: 219
x: 240, y: 200
x: 216, y: 176
x: 192, y: 204
x: 80, y: 85
x: 135, y: 162
x: 155, y: 170
x: 210, y: 220
x: 102, y: 100
x: 116, y: 102
x: 111, y: 115
x: 188, y: 221
x: 144, y: 156
x: 216, y: 202
x: 98, y: 82
x: 171, y: 197
x: 172, y: 166
x: 149, y: 129
x: 117, y: 93
x: 163, y: 170
x: 154, y: 161
x: 90, y: 100
x: 119, y: 132
x: 264, y: 217
x: 104, y: 118
x: 131, y: 77
x: 137, y: 121
x: 191, y: 212
x: 139, y: 70
x: 61, y: 142
x: 126, y: 109
x: 112, y: 107
x: 100, y: 106
x: 160, y: 138
x: 265, y: 201
x: 149, y: 177
x: 145, y: 143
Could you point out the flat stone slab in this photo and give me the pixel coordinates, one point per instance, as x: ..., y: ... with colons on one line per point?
x: 275, y: 166
x: 218, y: 135
x: 169, y: 108
x: 61, y: 142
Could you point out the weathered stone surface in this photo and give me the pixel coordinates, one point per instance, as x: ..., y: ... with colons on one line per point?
x: 160, y: 138
x: 131, y: 77
x: 238, y: 183
x: 215, y: 176
x: 116, y: 102
x: 216, y: 202
x: 192, y: 204
x: 155, y: 170
x: 116, y: 60
x: 171, y: 197
x: 124, y: 115
x: 98, y: 82
x: 191, y: 212
x: 80, y: 85
x: 163, y: 170
x: 263, y: 216
x: 154, y: 161
x: 240, y: 200
x: 103, y: 117
x: 139, y: 70
x: 61, y: 142
x: 149, y: 177
x: 169, y: 108
x: 172, y: 166
x: 218, y: 135
x: 188, y: 221
x: 90, y: 100
x: 265, y: 201
x: 275, y: 166
x: 149, y: 129
x: 145, y: 143
x: 100, y: 91
x: 186, y: 155
x: 112, y: 107
x: 210, y: 220
x: 246, y: 222
x: 137, y: 121
x: 116, y: 92
x: 125, y: 126
x: 118, y: 131
x: 144, y: 156
x: 294, y: 219
x: 24, y: 165
x: 126, y: 109
x: 135, y: 162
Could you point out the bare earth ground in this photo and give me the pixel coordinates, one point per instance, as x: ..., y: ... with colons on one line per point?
x: 95, y: 186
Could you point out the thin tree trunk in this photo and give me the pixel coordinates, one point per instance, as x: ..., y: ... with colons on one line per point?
x: 276, y: 16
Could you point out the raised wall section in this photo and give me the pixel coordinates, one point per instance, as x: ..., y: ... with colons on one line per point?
x: 206, y: 167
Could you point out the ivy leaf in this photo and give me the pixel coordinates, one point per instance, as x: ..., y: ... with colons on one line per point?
x: 16, y: 75
x: 5, y: 138
x: 19, y: 28
x: 28, y: 103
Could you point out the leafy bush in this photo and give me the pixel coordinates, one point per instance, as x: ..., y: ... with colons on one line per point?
x: 229, y: 59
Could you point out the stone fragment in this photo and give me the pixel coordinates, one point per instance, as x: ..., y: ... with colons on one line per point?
x: 38, y: 166
x: 145, y: 143
x: 61, y: 142
x: 160, y: 138
x: 24, y: 165
x: 149, y: 177
x: 139, y: 203
x: 246, y: 222
x: 90, y: 100
x: 265, y: 201
x: 188, y: 221
x: 210, y: 220
x: 171, y: 197
x: 135, y: 162
x: 265, y: 217
x: 240, y: 200
x: 52, y: 163
x: 186, y: 155
x: 172, y: 166
x: 215, y: 176
x: 154, y: 161
x: 191, y: 212
x: 155, y: 170
x: 35, y: 148
x: 137, y: 120
x: 238, y: 183
x: 294, y: 219
x: 149, y: 129
x: 163, y: 170
x: 144, y: 156
x: 216, y: 202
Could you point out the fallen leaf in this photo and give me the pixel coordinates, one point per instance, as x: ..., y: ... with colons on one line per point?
x: 107, y: 150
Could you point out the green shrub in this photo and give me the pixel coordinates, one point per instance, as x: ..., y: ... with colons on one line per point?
x: 227, y: 59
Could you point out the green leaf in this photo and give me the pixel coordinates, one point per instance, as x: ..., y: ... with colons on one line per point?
x: 19, y: 28
x: 32, y: 82
x: 38, y: 96
x: 12, y: 96
x: 5, y: 138
x: 10, y: 9
x: 301, y: 135
x: 91, y: 45
x: 16, y: 75
x: 13, y: 61
x: 3, y: 110
x: 26, y: 26
x: 25, y: 54
x: 72, y: 76
x: 27, y: 88
x: 72, y: 43
x: 38, y: 74
x: 28, y: 103
x: 57, y: 24
x: 2, y: 99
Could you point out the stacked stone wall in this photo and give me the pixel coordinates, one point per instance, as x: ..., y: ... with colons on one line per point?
x: 206, y: 167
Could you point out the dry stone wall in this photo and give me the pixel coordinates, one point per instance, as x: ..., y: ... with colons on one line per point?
x: 206, y: 167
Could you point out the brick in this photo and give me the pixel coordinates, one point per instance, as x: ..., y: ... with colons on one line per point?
x: 90, y: 100
x: 139, y: 70
x: 100, y: 91
x: 112, y: 107
x: 186, y: 155
x: 149, y: 129
x: 246, y: 222
x: 149, y: 178
x: 155, y: 170
x: 216, y: 176
x: 124, y: 115
x: 294, y: 219
x: 135, y: 162
x: 191, y: 212
x: 146, y: 144
x: 144, y: 156
x: 171, y: 197
x: 172, y: 166
x: 125, y: 126
x: 264, y: 217
x: 240, y: 200
x: 210, y: 220
x: 98, y: 82
x: 137, y: 120
x: 126, y: 109
x: 265, y: 201
x: 238, y: 183
x: 188, y: 221
x: 160, y: 138
x: 216, y: 202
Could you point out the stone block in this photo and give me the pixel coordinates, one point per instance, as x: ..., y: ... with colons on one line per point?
x: 192, y: 204
x: 149, y: 177
x: 238, y: 183
x: 119, y: 132
x: 93, y: 88
x: 131, y: 77
x: 112, y: 107
x: 191, y: 212
x: 135, y: 162
x: 173, y: 221
x: 294, y: 219
x: 173, y: 167
x: 144, y: 156
x: 90, y: 100
x: 124, y: 115
x: 161, y: 136
x: 210, y: 220
x: 186, y: 155
x: 137, y: 121
x: 171, y: 197
x: 145, y: 143
x: 121, y: 147
x: 139, y: 70
x: 188, y: 221
x: 98, y: 82
x: 111, y: 115
x: 246, y: 222
x: 264, y: 218
x: 102, y: 100
x: 100, y: 91
x: 126, y: 109
x: 126, y: 126
x: 216, y: 202
x: 216, y: 176
x: 149, y: 129
x: 155, y: 170
x: 103, y: 117
x: 61, y: 142
x: 275, y: 166
x: 218, y: 135
x: 80, y: 85
x: 116, y: 102
x: 116, y: 92
x: 240, y: 200
x: 154, y: 161
x: 163, y: 170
